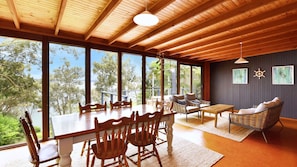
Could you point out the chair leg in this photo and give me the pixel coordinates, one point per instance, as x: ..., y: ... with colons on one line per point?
x: 281, y: 123
x: 263, y: 134
x: 88, y: 153
x: 93, y: 161
x: 157, y: 154
x: 83, y: 148
x: 139, y: 158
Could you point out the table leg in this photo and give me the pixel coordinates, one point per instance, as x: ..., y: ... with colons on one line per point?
x: 202, y: 116
x: 65, y: 149
x: 169, y: 135
x: 216, y: 119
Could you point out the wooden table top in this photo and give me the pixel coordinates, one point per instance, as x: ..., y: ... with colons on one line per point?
x: 76, y: 124
x: 217, y: 108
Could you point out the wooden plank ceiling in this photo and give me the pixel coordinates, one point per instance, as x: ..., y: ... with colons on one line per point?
x: 202, y: 30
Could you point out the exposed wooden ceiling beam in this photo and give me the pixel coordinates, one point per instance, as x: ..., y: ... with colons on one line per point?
x: 60, y: 16
x: 260, y: 33
x: 176, y: 21
x: 14, y: 13
x: 241, y: 23
x: 154, y: 9
x: 223, y: 17
x: 107, y: 11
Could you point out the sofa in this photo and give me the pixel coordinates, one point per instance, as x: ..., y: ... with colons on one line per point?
x: 187, y: 104
x: 261, y: 118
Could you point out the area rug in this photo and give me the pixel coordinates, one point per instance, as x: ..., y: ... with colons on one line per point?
x: 237, y: 133
x: 185, y: 153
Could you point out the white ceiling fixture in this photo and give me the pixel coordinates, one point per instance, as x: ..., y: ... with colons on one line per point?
x: 241, y: 60
x: 146, y: 18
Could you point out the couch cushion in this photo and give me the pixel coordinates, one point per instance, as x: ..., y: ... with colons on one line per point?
x: 260, y: 107
x: 190, y: 96
x: 182, y: 101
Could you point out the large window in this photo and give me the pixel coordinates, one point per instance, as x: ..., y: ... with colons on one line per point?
x: 104, y: 78
x: 66, y: 78
x: 132, y: 78
x: 190, y: 80
x: 170, y: 78
x: 153, y: 79
x: 20, y: 87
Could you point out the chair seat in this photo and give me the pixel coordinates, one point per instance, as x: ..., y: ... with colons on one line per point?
x: 149, y: 140
x: 108, y: 153
x: 47, y: 152
x: 191, y: 109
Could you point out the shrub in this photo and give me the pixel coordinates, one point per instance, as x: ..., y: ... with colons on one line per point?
x: 10, y: 130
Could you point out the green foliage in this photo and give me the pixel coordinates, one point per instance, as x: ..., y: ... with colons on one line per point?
x: 10, y: 130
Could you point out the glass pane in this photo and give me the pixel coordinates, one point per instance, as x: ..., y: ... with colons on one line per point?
x: 153, y: 71
x: 132, y: 78
x: 196, y: 83
x: 20, y: 87
x: 104, y: 78
x: 185, y: 79
x: 67, y: 78
x: 170, y: 78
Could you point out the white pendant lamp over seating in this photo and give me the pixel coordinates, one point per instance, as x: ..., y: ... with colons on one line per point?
x: 146, y: 18
x: 241, y: 60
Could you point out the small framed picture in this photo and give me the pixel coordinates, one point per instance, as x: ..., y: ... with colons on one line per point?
x: 283, y: 75
x: 240, y: 75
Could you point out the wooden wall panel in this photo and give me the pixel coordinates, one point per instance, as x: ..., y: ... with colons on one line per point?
x: 257, y: 90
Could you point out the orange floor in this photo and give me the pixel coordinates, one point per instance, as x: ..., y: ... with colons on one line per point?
x: 281, y: 150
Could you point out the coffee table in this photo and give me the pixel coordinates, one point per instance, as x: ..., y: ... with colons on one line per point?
x: 216, y: 109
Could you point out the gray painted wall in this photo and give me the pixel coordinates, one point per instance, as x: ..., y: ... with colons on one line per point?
x: 257, y: 90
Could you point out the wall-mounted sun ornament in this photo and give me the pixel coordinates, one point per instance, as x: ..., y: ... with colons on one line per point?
x: 259, y: 73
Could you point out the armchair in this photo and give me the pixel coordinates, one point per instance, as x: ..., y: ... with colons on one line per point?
x: 262, y: 118
x: 187, y: 105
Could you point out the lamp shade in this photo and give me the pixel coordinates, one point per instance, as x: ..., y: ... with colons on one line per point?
x: 241, y: 61
x: 146, y: 19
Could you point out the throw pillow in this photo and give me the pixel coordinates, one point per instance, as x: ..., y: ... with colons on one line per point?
x: 260, y: 107
x: 247, y: 111
x: 276, y: 100
x: 269, y: 104
x: 190, y: 96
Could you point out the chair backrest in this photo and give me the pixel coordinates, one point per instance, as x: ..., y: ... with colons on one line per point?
x: 273, y: 115
x: 120, y: 104
x: 30, y: 141
x: 147, y: 126
x: 33, y: 132
x: 91, y: 107
x: 112, y: 135
x: 159, y: 104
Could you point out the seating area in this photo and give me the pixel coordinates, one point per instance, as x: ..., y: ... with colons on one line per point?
x: 261, y: 118
x: 187, y: 104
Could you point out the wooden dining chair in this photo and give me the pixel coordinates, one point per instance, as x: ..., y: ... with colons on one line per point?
x: 120, y: 104
x: 111, y: 140
x: 96, y: 107
x: 146, y: 130
x: 38, y: 153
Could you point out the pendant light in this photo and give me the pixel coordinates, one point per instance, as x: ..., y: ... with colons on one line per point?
x: 241, y: 60
x: 146, y: 18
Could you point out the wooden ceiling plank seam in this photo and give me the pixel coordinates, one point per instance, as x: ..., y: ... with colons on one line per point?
x: 216, y: 20
x: 176, y: 21
x: 235, y: 25
x: 154, y: 9
x: 14, y: 13
x: 107, y: 11
x: 60, y: 16
x: 232, y: 38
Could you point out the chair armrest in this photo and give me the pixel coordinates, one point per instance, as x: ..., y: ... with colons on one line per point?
x: 204, y: 102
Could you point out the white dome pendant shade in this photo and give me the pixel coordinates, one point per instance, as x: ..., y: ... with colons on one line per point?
x: 241, y: 60
x: 146, y: 19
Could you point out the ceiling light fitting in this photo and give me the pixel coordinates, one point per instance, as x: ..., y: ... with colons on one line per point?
x: 146, y: 18
x: 241, y: 60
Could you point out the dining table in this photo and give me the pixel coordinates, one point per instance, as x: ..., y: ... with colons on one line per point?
x: 73, y: 128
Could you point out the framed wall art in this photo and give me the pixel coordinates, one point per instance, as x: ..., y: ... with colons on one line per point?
x: 283, y: 75
x: 240, y: 75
